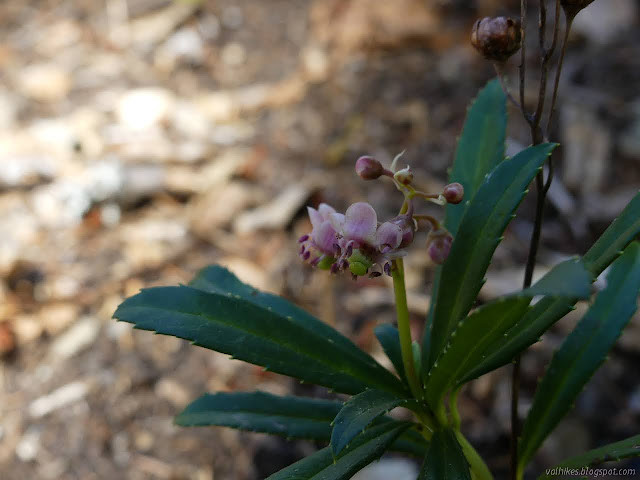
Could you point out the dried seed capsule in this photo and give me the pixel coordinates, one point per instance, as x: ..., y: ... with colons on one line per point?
x: 497, y: 38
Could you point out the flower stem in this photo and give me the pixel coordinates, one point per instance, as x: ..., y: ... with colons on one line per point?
x: 404, y: 328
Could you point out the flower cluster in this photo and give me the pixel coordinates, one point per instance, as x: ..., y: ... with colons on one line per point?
x: 356, y: 242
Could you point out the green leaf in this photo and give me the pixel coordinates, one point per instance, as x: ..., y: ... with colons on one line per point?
x: 481, y: 228
x: 358, y: 413
x: 367, y: 447
x: 613, y: 452
x: 469, y: 342
x: 227, y: 323
x: 584, y: 350
x: 472, y: 338
x: 445, y: 460
x: 389, y: 338
x: 217, y: 279
x: 290, y: 417
x: 480, y: 148
x: 567, y: 279
x: 549, y: 310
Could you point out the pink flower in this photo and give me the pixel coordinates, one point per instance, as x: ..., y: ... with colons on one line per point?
x: 355, y: 241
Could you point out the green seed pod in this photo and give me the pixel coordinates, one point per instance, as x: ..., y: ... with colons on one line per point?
x: 359, y: 264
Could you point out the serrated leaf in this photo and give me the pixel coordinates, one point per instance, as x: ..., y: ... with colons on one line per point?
x: 481, y: 228
x: 469, y: 342
x: 568, y: 279
x: 613, y: 452
x: 445, y: 460
x: 366, y: 448
x: 230, y: 324
x: 389, y: 338
x: 549, y: 310
x: 480, y: 148
x: 473, y: 337
x: 583, y: 352
x: 217, y: 279
x: 289, y: 417
x: 358, y: 413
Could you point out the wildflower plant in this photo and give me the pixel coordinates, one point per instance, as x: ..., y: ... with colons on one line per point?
x: 462, y: 341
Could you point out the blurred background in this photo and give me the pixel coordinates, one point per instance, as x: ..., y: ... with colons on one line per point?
x: 141, y: 140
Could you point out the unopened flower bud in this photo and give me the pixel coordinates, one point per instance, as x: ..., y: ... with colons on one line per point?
x: 404, y: 176
x: 439, y: 245
x: 453, y: 193
x: 368, y: 168
x: 572, y: 7
x: 497, y: 38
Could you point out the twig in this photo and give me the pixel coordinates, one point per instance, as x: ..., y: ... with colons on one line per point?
x: 556, y: 86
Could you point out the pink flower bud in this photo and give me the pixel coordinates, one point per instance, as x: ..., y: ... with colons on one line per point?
x: 453, y: 193
x: 368, y: 168
x: 439, y: 245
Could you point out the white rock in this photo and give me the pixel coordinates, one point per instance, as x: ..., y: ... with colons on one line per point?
x: 186, y: 44
x: 387, y: 469
x: 144, y: 107
x: 46, y: 82
x: 63, y: 396
x: 77, y: 338
x: 29, y: 445
x: 275, y: 214
x: 234, y: 54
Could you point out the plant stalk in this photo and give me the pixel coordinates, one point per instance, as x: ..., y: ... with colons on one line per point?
x: 404, y: 327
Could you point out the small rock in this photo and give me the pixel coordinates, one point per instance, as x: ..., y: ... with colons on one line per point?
x: 27, y: 328
x: 25, y: 170
x: 62, y: 397
x: 29, y: 445
x: 275, y: 214
x: 389, y: 468
x: 58, y: 316
x: 232, y: 17
x: 144, y: 107
x: 234, y: 54
x: 173, y: 392
x: 77, y: 338
x: 183, y: 46
x: 44, y: 82
x: 7, y: 339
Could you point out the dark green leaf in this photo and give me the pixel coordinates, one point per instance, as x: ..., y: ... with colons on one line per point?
x: 469, y: 342
x: 549, y: 310
x: 367, y: 447
x: 445, y: 460
x: 480, y: 148
x: 290, y: 417
x: 389, y: 338
x: 358, y: 413
x: 613, y: 452
x: 583, y: 351
x: 217, y: 279
x: 569, y: 279
x: 481, y: 228
x: 229, y: 324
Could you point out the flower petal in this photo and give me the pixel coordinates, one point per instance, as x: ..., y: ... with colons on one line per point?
x: 388, y: 237
x: 360, y: 222
x: 337, y: 220
x: 325, y: 210
x: 324, y: 237
x: 314, y: 216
